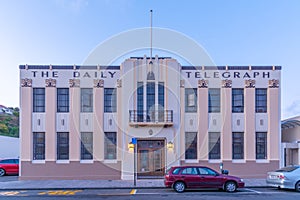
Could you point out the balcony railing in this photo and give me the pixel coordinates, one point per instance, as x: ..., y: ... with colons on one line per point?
x: 157, y: 117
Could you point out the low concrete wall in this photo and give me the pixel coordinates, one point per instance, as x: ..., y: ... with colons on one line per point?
x: 9, y: 147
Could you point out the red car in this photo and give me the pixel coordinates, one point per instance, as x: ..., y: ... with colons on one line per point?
x: 9, y: 166
x: 181, y: 177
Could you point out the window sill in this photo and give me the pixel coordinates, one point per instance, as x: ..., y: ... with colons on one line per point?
x: 62, y: 161
x: 238, y: 161
x: 110, y: 161
x: 86, y: 161
x: 262, y: 161
x: 214, y: 161
x: 38, y: 162
x: 191, y: 161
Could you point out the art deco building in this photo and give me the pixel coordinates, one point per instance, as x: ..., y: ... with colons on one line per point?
x: 82, y: 122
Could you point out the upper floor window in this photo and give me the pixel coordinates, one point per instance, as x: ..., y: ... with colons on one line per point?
x: 161, y: 95
x: 140, y: 101
x: 62, y: 99
x: 214, y: 98
x: 110, y: 100
x: 38, y: 99
x: 150, y: 101
x: 261, y: 100
x: 237, y: 100
x: 191, y: 100
x: 86, y: 100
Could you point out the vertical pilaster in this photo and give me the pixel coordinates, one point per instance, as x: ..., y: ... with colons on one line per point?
x: 274, y: 129
x: 182, y: 128
x: 226, y: 136
x: 249, y: 109
x: 98, y: 119
x: 202, y: 110
x: 74, y: 120
x: 50, y: 124
x: 119, y: 115
x: 26, y: 120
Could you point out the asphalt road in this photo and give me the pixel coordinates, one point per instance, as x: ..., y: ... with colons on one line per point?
x: 156, y: 194
x: 142, y: 194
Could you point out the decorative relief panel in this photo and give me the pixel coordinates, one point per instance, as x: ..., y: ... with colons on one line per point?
x: 74, y: 83
x: 50, y: 82
x: 182, y: 83
x: 202, y: 83
x: 98, y: 83
x: 119, y: 83
x: 274, y: 83
x: 250, y: 83
x: 26, y: 82
x: 226, y: 83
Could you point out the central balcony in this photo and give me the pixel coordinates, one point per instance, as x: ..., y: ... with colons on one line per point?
x: 151, y: 118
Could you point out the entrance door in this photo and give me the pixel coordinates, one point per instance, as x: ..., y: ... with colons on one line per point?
x: 151, y: 158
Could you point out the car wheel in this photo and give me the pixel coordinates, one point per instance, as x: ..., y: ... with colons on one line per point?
x: 297, y: 186
x: 230, y: 186
x: 179, y: 187
x: 2, y: 172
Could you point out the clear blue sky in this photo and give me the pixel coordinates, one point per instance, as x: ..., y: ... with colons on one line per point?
x: 233, y: 32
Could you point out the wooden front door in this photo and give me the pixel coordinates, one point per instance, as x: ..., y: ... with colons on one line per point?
x: 150, y: 157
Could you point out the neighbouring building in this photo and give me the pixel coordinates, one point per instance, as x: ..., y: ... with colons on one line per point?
x: 82, y: 122
x: 290, y: 149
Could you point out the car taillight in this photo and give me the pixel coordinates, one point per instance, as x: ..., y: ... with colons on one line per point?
x: 280, y: 176
x: 167, y: 176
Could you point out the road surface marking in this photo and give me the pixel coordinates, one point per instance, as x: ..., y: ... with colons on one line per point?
x: 257, y: 192
x: 60, y: 192
x: 10, y: 193
x: 133, y: 191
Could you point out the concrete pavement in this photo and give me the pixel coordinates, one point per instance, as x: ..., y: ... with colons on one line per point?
x: 97, y: 184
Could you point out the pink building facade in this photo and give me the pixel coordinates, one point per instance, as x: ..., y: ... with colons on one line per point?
x: 82, y: 122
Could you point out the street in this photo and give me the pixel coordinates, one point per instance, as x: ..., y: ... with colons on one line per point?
x: 122, y: 194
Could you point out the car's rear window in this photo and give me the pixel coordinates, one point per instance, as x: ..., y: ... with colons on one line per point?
x: 176, y: 171
x: 287, y: 169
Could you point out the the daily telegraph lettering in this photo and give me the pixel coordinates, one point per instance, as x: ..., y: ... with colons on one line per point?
x: 188, y: 74
x: 75, y: 74
x: 227, y: 74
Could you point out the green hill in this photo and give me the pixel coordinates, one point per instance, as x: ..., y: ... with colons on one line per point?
x: 9, y: 124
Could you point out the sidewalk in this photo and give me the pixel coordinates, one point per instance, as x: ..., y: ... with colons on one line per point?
x: 99, y: 184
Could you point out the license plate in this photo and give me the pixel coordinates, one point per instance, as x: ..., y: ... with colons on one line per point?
x: 273, y: 177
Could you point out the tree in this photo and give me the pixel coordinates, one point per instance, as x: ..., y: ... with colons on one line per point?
x: 3, y: 128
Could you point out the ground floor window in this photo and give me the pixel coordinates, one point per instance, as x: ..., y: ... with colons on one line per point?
x: 62, y: 146
x: 237, y: 145
x: 191, y: 145
x: 261, y: 145
x: 110, y: 145
x: 38, y: 146
x: 214, y: 145
x: 86, y: 146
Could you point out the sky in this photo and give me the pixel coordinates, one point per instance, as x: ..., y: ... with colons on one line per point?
x: 233, y: 32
